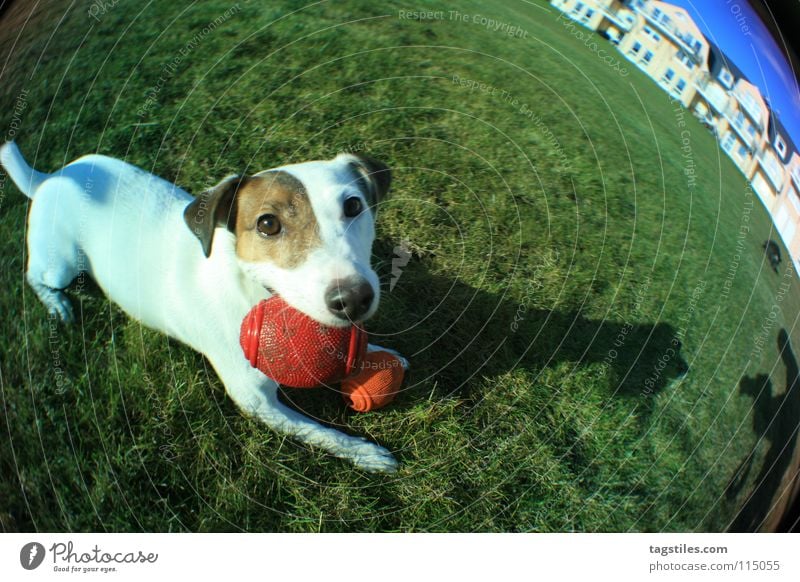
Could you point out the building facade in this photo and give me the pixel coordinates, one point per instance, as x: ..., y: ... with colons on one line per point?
x: 665, y: 43
x: 610, y: 18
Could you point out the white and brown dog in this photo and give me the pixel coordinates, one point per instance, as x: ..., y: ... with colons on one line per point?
x: 193, y: 267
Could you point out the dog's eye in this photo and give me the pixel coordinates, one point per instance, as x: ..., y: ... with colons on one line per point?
x: 268, y: 225
x: 353, y: 206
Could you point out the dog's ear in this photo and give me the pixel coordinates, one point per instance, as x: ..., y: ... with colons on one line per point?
x: 212, y: 208
x: 376, y: 176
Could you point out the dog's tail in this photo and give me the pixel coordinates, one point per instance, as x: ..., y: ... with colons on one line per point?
x: 26, y: 178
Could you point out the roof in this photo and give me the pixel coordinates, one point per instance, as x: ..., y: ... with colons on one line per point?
x: 718, y: 59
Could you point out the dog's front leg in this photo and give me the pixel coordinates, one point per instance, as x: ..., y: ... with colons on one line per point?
x: 256, y: 394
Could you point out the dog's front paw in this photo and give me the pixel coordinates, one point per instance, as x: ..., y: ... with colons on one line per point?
x: 403, y: 361
x: 373, y: 458
x: 61, y: 307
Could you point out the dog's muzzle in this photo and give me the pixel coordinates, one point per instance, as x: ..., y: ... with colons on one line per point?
x: 350, y: 298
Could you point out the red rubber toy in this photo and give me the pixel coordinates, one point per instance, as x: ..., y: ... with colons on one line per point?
x: 376, y: 384
x: 297, y: 351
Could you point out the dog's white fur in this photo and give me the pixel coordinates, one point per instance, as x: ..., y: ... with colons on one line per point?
x: 126, y: 228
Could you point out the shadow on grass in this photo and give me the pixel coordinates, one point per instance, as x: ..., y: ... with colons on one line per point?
x: 775, y: 421
x: 455, y: 334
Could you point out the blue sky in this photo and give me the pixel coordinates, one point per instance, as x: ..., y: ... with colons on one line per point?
x: 757, y: 54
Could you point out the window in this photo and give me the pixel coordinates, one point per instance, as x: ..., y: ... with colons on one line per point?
x: 648, y: 56
x: 794, y: 200
x: 742, y: 151
x: 680, y: 86
x: 656, y: 12
x: 697, y: 46
x: 780, y: 145
x: 751, y: 130
x: 668, y: 75
x: 786, y: 226
x: 727, y: 143
x: 578, y: 7
x: 750, y: 105
x: 773, y: 168
x: 588, y: 15
x: 685, y: 60
x: 637, y: 46
x: 726, y: 78
x: 653, y: 35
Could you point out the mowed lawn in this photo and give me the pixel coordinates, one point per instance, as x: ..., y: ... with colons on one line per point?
x: 577, y: 242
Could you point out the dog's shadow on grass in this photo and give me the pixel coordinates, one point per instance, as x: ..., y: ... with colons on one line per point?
x: 454, y: 334
x: 775, y: 422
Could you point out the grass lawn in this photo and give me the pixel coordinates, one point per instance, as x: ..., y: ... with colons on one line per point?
x: 565, y: 271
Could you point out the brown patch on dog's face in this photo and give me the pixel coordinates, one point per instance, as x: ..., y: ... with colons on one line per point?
x: 267, y: 200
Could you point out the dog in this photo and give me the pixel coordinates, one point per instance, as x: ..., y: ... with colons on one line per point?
x: 192, y: 268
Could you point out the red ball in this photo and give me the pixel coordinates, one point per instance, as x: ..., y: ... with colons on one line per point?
x: 296, y: 350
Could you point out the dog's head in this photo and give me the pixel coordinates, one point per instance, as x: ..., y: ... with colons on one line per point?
x: 303, y: 231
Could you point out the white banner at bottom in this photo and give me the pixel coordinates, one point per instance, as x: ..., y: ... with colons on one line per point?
x: 373, y: 557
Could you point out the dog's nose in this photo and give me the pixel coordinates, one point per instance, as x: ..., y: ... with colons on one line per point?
x: 349, y: 298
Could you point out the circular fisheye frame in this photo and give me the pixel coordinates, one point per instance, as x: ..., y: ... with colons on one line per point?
x: 585, y: 264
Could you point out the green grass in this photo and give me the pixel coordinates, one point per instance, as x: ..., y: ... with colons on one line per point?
x: 540, y: 242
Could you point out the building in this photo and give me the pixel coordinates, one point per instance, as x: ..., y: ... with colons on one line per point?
x: 713, y: 88
x: 610, y: 18
x: 659, y: 38
x: 769, y: 177
x: 742, y: 130
x: 666, y: 44
x: 786, y: 207
x: 734, y: 108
